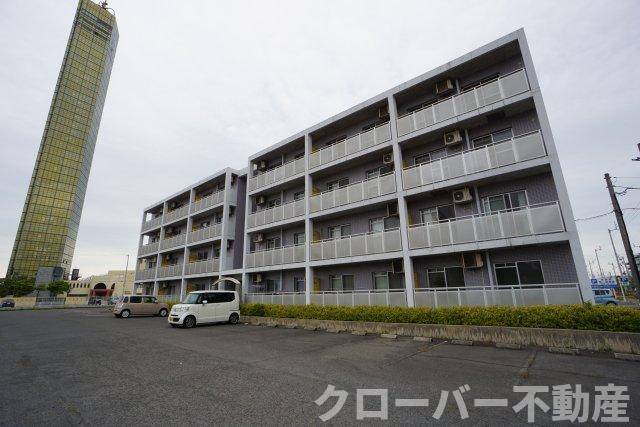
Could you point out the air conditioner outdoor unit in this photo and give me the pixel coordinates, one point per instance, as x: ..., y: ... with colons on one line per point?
x: 387, y: 158
x: 392, y: 209
x: 173, y: 205
x: 383, y: 112
x: 257, y: 277
x: 462, y: 195
x: 258, y: 238
x: 397, y: 266
x: 262, y: 165
x: 444, y: 86
x: 452, y: 138
x: 205, y: 224
x: 261, y: 200
x: 472, y: 260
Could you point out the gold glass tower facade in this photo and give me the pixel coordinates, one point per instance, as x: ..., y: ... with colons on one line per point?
x: 48, y: 227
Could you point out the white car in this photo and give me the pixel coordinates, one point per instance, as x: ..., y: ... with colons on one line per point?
x: 206, y: 307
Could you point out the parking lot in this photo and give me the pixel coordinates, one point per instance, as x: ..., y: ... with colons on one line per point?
x: 84, y: 366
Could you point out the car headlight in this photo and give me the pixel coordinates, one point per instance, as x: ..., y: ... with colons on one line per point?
x: 180, y: 309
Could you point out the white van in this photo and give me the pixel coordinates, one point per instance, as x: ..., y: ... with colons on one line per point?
x: 206, y: 307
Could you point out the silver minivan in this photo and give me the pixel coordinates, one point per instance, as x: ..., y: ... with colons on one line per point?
x: 206, y: 307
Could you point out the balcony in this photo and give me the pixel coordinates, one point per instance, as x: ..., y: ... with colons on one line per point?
x: 513, y: 296
x: 282, y: 298
x: 152, y: 223
x: 170, y: 270
x: 356, y: 245
x: 527, y: 221
x: 356, y: 192
x: 385, y: 297
x: 172, y: 242
x: 148, y: 249
x: 201, y: 267
x: 518, y: 149
x: 351, y: 145
x: 176, y: 214
x: 277, y: 174
x: 146, y: 274
x: 168, y: 298
x: 205, y: 233
x: 279, y: 256
x: 472, y: 99
x: 208, y: 201
x: 275, y: 214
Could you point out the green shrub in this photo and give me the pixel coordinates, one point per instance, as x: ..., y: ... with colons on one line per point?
x: 587, y: 316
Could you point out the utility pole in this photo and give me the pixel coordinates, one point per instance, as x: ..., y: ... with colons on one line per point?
x: 591, y: 268
x: 615, y: 252
x: 599, y: 248
x: 126, y: 268
x: 623, y: 231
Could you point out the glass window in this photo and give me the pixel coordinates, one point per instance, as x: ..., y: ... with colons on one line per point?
x: 376, y: 225
x: 298, y: 238
x: 445, y: 277
x: 499, y: 202
x: 455, y: 277
x: 381, y: 280
x: 271, y: 285
x: 422, y: 158
x: 135, y: 300
x: 436, y: 278
x: 373, y: 173
x: 343, y: 282
x: 342, y: 182
x: 492, y: 138
x: 273, y: 203
x: 273, y: 243
x: 298, y: 196
x: 438, y: 213
x: 338, y: 231
x: 519, y: 273
x: 298, y: 284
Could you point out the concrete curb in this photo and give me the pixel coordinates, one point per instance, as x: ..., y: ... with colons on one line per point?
x: 616, y: 342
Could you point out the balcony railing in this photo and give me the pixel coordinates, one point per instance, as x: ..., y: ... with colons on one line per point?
x: 174, y: 241
x: 276, y: 213
x: 276, y: 174
x: 386, y: 297
x: 208, y: 201
x: 530, y: 220
x: 176, y: 214
x: 168, y: 298
x: 351, y: 145
x: 283, y: 298
x: 352, y: 193
x: 152, y: 223
x: 146, y: 274
x: 170, y: 270
x: 519, y: 149
x: 279, y: 256
x: 202, y: 267
x: 148, y: 248
x: 205, y: 233
x: 484, y: 296
x: 472, y: 99
x: 357, y: 244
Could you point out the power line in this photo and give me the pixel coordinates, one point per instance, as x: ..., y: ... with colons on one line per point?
x: 593, y: 217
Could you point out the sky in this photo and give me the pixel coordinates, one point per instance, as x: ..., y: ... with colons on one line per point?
x: 200, y: 85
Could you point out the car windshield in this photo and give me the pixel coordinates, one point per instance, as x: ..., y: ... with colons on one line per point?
x: 191, y: 299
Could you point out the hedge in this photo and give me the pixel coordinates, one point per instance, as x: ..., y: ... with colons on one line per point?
x: 586, y: 317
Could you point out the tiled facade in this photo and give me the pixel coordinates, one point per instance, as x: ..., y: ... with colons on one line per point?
x: 444, y: 190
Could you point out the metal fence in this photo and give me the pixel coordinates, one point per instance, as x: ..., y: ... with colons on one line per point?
x: 172, y: 242
x: 352, y: 193
x: 277, y: 174
x: 203, y: 266
x: 208, y: 201
x: 205, y: 233
x: 283, y: 298
x: 176, y: 213
x: 386, y: 297
x: 152, y: 223
x: 277, y: 213
x: 357, y: 244
x: 278, y: 256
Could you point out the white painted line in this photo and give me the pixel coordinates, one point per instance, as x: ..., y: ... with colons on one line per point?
x: 481, y: 403
x: 412, y: 402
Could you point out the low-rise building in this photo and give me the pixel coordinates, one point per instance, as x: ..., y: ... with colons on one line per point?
x: 113, y: 283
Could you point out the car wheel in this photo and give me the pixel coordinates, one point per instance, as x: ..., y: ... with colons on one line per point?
x: 234, y: 318
x: 163, y: 312
x: 117, y: 315
x: 125, y: 314
x: 189, y: 322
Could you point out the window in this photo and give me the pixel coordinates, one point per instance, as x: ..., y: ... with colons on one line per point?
x: 376, y: 225
x: 519, y: 273
x: 381, y: 280
x: 135, y: 300
x: 445, y: 277
x: 342, y: 182
x: 273, y: 203
x: 492, y: 138
x: 338, y: 231
x: 271, y: 285
x: 273, y: 243
x: 149, y: 300
x: 373, y: 173
x: 298, y: 195
x: 344, y: 282
x: 499, y: 202
x: 299, y: 156
x: 430, y: 156
x: 202, y: 255
x: 438, y: 213
x: 298, y: 239
x: 298, y: 284
x: 480, y: 82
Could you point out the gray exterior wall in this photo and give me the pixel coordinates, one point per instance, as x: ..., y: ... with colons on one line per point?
x: 363, y: 274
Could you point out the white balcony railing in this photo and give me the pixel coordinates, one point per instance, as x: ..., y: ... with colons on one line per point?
x: 148, y: 248
x: 208, y: 201
x: 519, y: 149
x: 205, y: 233
x: 357, y: 244
x: 351, y: 145
x: 152, y: 223
x: 279, y: 256
x: 283, y: 298
x: 352, y: 193
x: 386, y: 297
x: 484, y: 296
x: 276, y: 213
x: 146, y: 274
x: 276, y: 174
x: 176, y: 214
x: 203, y: 266
x: 170, y: 270
x: 530, y: 220
x: 472, y: 99
x: 174, y: 241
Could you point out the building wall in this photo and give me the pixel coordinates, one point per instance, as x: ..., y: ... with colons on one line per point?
x: 363, y: 274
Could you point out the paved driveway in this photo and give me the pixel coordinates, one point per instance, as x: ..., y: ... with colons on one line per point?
x: 84, y: 366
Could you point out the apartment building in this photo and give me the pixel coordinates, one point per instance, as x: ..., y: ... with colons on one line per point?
x: 191, y: 238
x: 445, y: 190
